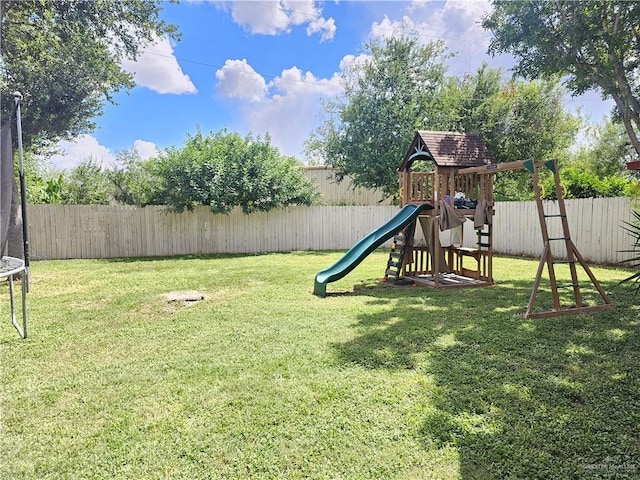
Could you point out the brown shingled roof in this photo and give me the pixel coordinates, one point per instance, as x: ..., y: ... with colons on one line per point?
x: 633, y: 165
x: 447, y: 149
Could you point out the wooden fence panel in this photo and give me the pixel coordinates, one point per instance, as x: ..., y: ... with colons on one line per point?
x: 594, y: 224
x: 90, y: 231
x: 95, y: 231
x: 333, y: 192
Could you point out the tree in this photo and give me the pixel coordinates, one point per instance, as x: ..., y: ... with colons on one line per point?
x: 87, y: 184
x: 65, y: 57
x: 367, y: 133
x: 133, y: 179
x: 516, y: 119
x: 608, y: 150
x: 578, y: 182
x: 225, y: 170
x: 387, y: 97
x: 595, y: 43
x: 598, y: 169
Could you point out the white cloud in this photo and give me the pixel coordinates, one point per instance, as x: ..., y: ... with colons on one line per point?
x: 348, y: 63
x: 238, y: 79
x: 418, y: 4
x: 326, y: 28
x: 145, y: 149
x: 349, y: 60
x: 83, y: 148
x: 388, y: 28
x: 292, y: 110
x: 459, y: 24
x: 158, y: 69
x: 272, y: 17
x: 287, y: 108
x: 456, y: 22
x: 266, y: 18
x: 293, y: 80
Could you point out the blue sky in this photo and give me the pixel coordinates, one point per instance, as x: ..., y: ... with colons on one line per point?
x: 266, y: 66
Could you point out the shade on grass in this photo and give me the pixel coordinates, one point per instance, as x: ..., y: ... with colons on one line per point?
x: 261, y: 379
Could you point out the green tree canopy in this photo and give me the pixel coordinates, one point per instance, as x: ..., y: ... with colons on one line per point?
x: 402, y: 87
x: 580, y: 183
x: 65, y: 57
x: 387, y: 97
x: 608, y: 150
x: 86, y: 184
x: 517, y: 119
x: 222, y: 170
x: 133, y: 179
x: 595, y: 43
x: 225, y: 170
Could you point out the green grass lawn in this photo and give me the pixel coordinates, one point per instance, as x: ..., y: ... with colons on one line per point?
x: 264, y: 380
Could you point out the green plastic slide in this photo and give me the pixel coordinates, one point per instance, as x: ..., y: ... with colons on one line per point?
x: 364, y: 247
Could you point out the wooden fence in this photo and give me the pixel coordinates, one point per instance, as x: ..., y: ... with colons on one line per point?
x: 333, y: 192
x: 594, y: 224
x: 93, y: 231
x: 89, y: 231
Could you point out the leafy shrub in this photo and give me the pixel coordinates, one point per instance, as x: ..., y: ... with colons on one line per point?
x: 225, y: 170
x: 581, y: 183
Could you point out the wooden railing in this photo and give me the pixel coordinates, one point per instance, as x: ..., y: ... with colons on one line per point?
x: 422, y: 187
x: 420, y: 263
x: 475, y: 186
x: 468, y: 184
x: 417, y: 187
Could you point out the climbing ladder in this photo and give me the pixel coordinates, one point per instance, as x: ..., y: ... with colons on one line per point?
x: 572, y: 255
x: 400, y: 248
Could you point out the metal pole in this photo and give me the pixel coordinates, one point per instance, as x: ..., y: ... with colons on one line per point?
x: 23, y: 189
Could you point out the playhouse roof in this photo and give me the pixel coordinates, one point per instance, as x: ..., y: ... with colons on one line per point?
x: 447, y: 149
x: 633, y: 165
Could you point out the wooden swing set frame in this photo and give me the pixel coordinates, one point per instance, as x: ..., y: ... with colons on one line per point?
x: 573, y: 256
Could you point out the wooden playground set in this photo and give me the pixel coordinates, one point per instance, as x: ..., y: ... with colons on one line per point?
x: 457, y: 185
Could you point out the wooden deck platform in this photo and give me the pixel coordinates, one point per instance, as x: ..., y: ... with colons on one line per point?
x: 448, y: 280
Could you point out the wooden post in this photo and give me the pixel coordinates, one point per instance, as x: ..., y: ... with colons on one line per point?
x: 436, y: 251
x: 545, y: 237
x: 577, y: 296
x: 452, y: 186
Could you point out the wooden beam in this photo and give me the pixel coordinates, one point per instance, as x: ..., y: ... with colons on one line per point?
x: 570, y: 311
x: 493, y: 168
x: 499, y: 167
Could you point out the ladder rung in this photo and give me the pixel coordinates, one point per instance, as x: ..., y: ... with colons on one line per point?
x: 559, y: 238
x: 395, y: 254
x: 561, y: 215
x: 487, y: 245
x: 483, y: 234
x: 560, y: 262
